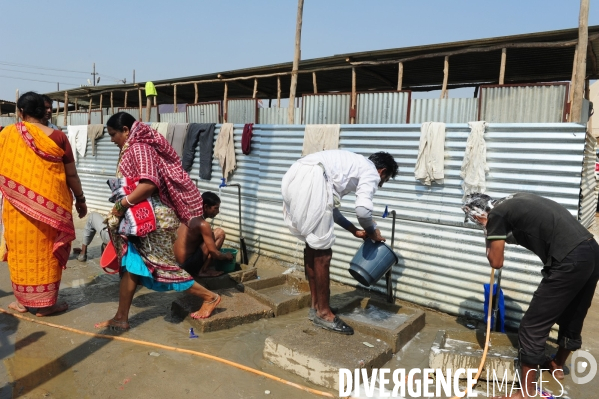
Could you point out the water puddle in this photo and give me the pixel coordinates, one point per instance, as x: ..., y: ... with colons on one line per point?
x: 280, y: 293
x: 376, y: 316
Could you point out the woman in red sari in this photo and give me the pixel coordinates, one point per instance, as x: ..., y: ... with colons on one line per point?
x: 37, y: 176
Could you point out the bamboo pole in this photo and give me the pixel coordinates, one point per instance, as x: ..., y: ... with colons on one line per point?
x: 89, y: 110
x: 111, y: 104
x: 76, y: 103
x: 175, y: 98
x: 314, y: 83
x: 445, y: 77
x: 399, y: 76
x: 125, y: 103
x: 580, y: 62
x: 139, y: 103
x: 225, y: 105
x: 195, y: 88
x: 572, y: 80
x: 278, y: 92
x: 255, y: 88
x: 148, y: 108
x: 101, y: 104
x: 502, y: 67
x: 296, y: 58
x: 66, y: 107
x: 352, y: 118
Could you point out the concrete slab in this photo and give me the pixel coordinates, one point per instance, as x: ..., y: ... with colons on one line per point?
x: 454, y: 349
x: 283, y: 294
x: 392, y: 323
x: 242, y: 273
x: 235, y: 308
x: 317, y: 354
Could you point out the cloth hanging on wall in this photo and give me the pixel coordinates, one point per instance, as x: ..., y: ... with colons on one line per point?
x: 320, y: 137
x: 77, y: 135
x: 246, y: 138
x: 202, y: 134
x: 178, y: 139
x: 431, y: 153
x: 224, y: 149
x: 94, y: 132
x: 474, y: 166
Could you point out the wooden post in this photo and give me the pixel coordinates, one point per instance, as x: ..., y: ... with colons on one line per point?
x: 296, y: 58
x: 148, y: 108
x: 225, y: 105
x: 445, y: 77
x: 502, y: 67
x: 76, y: 103
x: 580, y: 62
x: 314, y: 83
x: 572, y: 79
x: 255, y: 88
x: 400, y: 76
x: 111, y: 104
x: 195, y: 88
x: 66, y: 107
x: 278, y: 92
x: 175, y: 97
x: 125, y: 103
x: 352, y: 118
x: 89, y: 111
x: 139, y: 103
x: 101, y: 104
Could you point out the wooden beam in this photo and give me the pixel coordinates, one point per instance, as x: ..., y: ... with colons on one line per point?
x: 445, y: 77
x: 195, y: 89
x: 225, y: 105
x: 111, y: 104
x: 66, y: 107
x: 101, y: 104
x: 125, y: 103
x: 89, y: 110
x: 581, y: 62
x: 223, y: 78
x: 148, y: 108
x: 76, y: 103
x: 255, y: 88
x: 572, y: 80
x: 352, y: 118
x: 400, y: 76
x: 314, y: 86
x: 175, y: 98
x: 278, y: 92
x: 139, y: 103
x: 502, y: 67
x: 296, y: 58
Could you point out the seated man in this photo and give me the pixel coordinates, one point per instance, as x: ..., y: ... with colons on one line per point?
x: 95, y: 224
x: 197, y: 245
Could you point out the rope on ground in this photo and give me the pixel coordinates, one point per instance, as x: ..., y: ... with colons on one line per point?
x: 174, y: 349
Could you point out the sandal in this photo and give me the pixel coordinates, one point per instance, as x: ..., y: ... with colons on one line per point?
x: 337, y: 325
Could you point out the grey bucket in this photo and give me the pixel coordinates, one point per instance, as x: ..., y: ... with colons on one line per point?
x: 371, y: 262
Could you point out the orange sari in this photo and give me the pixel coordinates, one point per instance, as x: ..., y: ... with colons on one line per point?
x: 38, y: 224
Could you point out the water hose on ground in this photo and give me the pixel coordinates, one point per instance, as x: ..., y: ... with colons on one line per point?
x: 174, y: 349
x: 488, y: 335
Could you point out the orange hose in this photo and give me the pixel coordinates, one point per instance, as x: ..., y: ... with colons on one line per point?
x: 174, y: 349
x: 488, y: 337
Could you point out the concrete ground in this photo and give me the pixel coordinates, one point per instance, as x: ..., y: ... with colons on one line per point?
x: 40, y: 361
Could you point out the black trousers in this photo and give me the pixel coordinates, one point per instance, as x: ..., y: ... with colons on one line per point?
x: 563, y: 297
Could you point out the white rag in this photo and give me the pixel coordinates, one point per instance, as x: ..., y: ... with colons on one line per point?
x: 224, y: 149
x: 320, y: 137
x: 431, y: 153
x: 162, y: 128
x: 308, y: 203
x: 77, y: 135
x: 474, y: 166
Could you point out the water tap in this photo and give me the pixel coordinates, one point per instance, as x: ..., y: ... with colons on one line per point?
x: 192, y: 334
x: 223, y: 182
x: 386, y: 212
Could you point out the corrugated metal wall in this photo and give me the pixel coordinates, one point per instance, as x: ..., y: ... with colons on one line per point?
x: 75, y: 118
x: 278, y: 116
x: 442, y: 261
x: 523, y: 104
x: 326, y: 108
x: 174, y: 117
x: 204, y: 113
x: 242, y: 111
x: 383, y: 107
x: 448, y: 110
x: 7, y: 120
x: 588, y: 189
x: 134, y: 111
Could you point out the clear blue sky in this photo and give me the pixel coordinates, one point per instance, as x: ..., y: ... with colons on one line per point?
x: 167, y: 39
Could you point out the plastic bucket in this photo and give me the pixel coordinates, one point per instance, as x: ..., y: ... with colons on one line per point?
x: 371, y: 262
x: 227, y: 266
x: 109, y: 261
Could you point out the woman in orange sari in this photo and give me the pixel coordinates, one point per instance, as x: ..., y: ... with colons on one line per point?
x: 37, y: 175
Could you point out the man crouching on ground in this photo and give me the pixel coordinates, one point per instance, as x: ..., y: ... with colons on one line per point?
x: 197, y: 245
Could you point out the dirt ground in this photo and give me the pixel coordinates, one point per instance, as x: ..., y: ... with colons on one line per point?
x: 40, y: 361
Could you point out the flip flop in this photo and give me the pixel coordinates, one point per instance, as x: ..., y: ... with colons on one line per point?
x: 337, y: 325
x: 312, y: 312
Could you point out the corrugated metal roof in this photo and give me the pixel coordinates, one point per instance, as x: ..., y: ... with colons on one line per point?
x: 442, y: 260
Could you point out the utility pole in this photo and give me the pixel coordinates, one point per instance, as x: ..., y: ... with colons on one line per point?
x: 94, y: 73
x: 134, y: 76
x: 296, y: 58
x: 580, y: 63
x: 57, y: 86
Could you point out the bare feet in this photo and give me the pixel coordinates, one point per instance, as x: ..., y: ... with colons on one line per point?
x: 113, y: 325
x: 56, y: 308
x: 18, y: 307
x: 555, y: 370
x: 206, y: 309
x: 210, y: 273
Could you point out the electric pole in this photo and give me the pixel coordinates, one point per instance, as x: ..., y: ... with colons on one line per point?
x: 94, y: 74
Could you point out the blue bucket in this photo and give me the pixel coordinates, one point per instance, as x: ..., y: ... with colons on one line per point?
x: 371, y: 262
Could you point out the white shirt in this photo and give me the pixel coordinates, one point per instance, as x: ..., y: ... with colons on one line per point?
x: 349, y: 172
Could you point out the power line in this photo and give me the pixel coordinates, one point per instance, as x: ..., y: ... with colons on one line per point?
x: 38, y: 73
x: 38, y: 67
x: 44, y: 81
